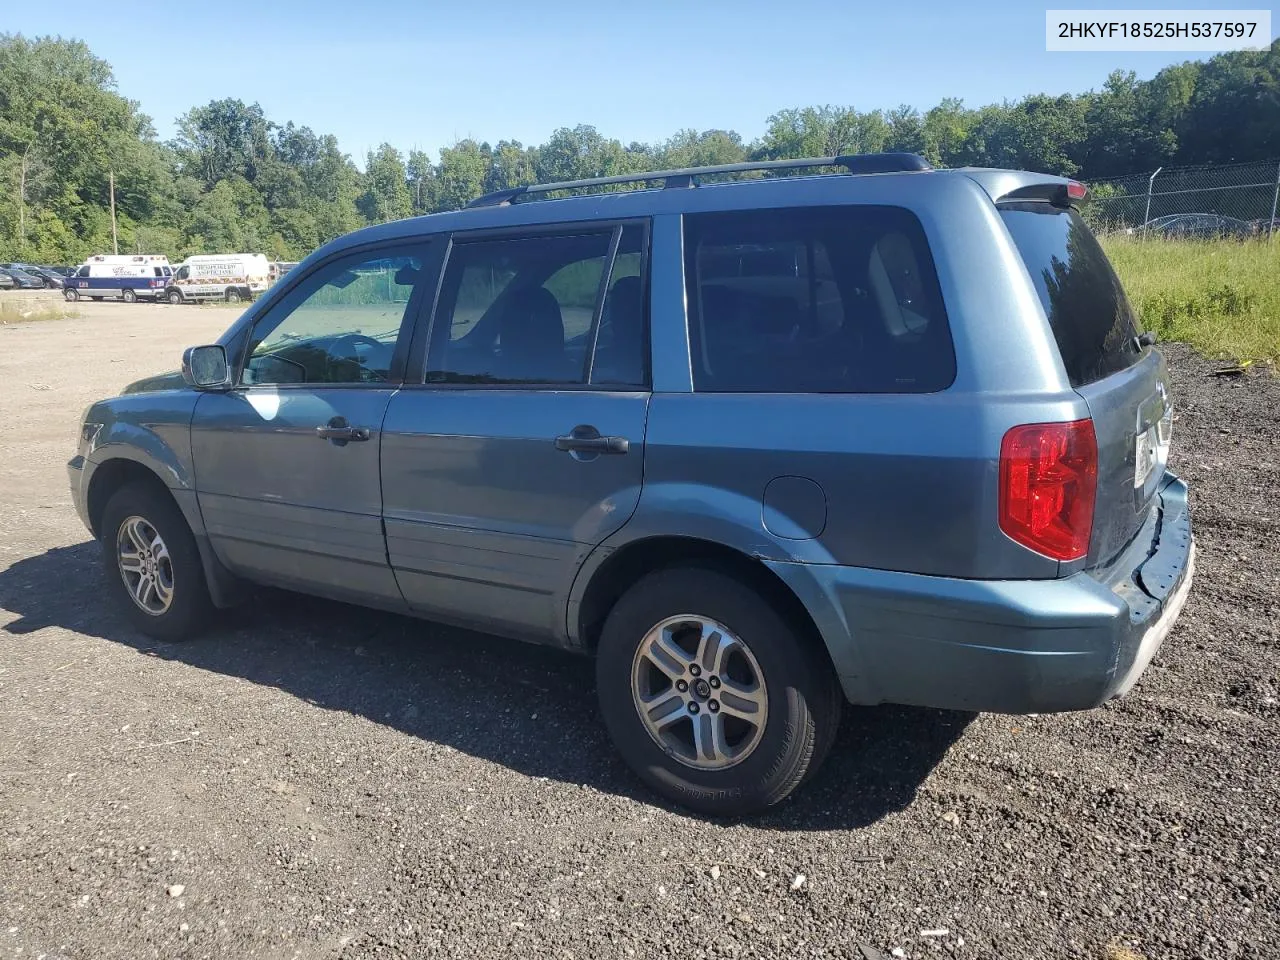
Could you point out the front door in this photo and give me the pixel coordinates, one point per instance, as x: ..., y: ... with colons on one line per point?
x: 524, y: 447
x: 286, y: 463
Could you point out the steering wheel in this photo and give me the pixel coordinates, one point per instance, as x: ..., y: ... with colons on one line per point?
x: 354, y: 340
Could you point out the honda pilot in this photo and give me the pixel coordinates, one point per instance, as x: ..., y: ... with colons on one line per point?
x: 850, y: 429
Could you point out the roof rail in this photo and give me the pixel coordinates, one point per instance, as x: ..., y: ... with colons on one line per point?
x: 684, y: 178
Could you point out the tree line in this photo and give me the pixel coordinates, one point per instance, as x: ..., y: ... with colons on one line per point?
x: 235, y: 180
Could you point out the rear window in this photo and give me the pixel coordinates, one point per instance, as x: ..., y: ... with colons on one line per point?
x: 815, y: 300
x: 1092, y: 321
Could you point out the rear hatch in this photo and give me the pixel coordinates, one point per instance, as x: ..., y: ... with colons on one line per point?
x: 1124, y: 382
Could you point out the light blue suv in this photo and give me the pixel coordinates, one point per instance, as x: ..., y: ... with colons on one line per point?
x: 884, y: 435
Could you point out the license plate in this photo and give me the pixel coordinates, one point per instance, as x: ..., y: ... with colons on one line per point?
x: 1144, y: 458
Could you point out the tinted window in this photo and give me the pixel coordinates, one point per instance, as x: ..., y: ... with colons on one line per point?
x: 622, y: 345
x: 518, y: 310
x: 815, y: 300
x: 340, y: 325
x: 1091, y: 318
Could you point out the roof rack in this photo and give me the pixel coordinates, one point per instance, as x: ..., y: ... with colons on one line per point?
x: 684, y: 178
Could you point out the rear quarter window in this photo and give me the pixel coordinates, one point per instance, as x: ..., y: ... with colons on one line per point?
x: 815, y: 300
x: 1092, y: 321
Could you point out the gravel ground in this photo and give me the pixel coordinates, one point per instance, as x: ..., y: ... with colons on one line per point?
x: 314, y: 780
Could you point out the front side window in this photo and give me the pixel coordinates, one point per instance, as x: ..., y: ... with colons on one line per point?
x: 523, y: 310
x: 340, y: 325
x: 83, y: 271
x: 815, y: 300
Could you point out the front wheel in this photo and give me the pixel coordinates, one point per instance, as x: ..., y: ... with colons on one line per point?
x: 152, y: 563
x: 710, y: 695
x: 70, y: 294
x: 174, y: 297
x: 233, y: 295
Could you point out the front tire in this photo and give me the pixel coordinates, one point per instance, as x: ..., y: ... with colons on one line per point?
x: 153, y: 565
x: 710, y: 695
x: 233, y: 295
x: 70, y: 294
x: 174, y: 297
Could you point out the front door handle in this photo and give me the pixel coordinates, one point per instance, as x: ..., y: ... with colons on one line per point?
x: 341, y: 432
x: 586, y: 439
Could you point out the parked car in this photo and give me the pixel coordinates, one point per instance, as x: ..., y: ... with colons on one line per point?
x: 1195, y: 226
x: 760, y: 447
x: 23, y: 280
x: 52, y: 279
x: 7, y: 282
x: 47, y: 278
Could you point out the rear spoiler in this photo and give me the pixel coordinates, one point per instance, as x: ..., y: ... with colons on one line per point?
x: 1069, y: 193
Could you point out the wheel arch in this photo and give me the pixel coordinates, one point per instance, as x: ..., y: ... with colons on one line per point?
x: 115, y: 473
x: 110, y: 476
x: 629, y: 563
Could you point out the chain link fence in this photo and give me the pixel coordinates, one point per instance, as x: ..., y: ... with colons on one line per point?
x: 1234, y: 200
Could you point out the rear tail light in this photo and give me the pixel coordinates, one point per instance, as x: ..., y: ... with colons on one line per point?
x: 1048, y: 482
x: 1076, y: 190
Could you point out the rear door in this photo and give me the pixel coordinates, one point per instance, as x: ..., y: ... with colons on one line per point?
x: 523, y: 447
x: 1125, y: 383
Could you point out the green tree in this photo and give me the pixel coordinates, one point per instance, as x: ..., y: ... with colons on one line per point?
x: 386, y: 196
x: 512, y: 165
x: 946, y: 130
x: 462, y: 174
x: 691, y: 148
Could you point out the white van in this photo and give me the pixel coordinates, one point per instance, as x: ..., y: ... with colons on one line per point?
x: 228, y: 276
x: 278, y: 268
x: 120, y: 276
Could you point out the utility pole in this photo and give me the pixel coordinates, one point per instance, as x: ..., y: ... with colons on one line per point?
x: 115, y: 244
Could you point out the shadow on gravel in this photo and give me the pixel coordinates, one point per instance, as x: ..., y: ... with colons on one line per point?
x: 531, y: 709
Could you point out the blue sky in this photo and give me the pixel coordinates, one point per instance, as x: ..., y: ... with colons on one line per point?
x: 429, y: 73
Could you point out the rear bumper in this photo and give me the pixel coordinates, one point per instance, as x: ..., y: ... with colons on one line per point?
x: 1004, y: 646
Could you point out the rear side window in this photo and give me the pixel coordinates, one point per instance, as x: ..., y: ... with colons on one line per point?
x: 815, y: 300
x: 1092, y: 321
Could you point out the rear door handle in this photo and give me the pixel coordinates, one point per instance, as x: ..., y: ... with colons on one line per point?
x: 588, y: 440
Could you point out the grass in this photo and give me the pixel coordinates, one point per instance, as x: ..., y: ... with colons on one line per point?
x: 1220, y: 296
x: 30, y: 311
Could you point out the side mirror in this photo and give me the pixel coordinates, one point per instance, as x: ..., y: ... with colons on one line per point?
x: 205, y: 368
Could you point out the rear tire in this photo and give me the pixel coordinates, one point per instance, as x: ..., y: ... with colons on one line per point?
x: 174, y: 297
x: 153, y: 565
x: 798, y: 705
x: 128, y: 296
